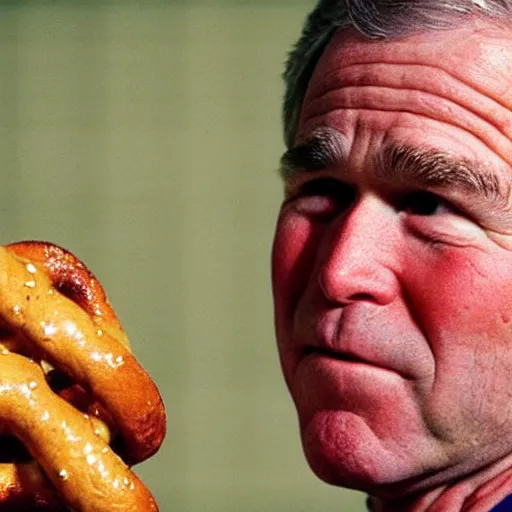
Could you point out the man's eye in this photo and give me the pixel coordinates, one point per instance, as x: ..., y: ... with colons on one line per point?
x: 423, y: 203
x: 324, y: 197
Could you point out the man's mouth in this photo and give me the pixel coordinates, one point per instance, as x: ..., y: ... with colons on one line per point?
x: 346, y: 357
x: 325, y: 352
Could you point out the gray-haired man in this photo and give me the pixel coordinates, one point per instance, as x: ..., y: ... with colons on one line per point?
x: 392, y: 259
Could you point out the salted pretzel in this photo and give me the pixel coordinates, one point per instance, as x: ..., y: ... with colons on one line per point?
x: 71, y: 393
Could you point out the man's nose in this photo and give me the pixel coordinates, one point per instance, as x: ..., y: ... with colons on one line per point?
x: 359, y: 256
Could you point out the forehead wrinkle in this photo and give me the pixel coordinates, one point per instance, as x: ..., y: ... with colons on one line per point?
x: 436, y: 79
x: 490, y: 103
x: 489, y: 43
x: 491, y: 143
x: 419, y: 102
x: 400, y: 164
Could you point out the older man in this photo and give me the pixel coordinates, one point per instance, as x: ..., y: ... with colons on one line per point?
x: 392, y: 259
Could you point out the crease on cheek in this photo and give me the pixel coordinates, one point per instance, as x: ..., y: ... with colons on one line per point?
x: 502, y: 240
x: 415, y: 313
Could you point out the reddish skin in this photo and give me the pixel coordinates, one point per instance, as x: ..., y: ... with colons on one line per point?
x: 424, y: 302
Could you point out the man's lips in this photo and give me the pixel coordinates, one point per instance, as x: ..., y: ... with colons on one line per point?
x: 359, y: 333
x: 326, y: 352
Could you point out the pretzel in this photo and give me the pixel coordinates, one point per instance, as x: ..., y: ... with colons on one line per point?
x: 55, y: 317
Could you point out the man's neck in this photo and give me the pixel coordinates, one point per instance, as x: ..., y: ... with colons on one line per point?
x: 479, y: 492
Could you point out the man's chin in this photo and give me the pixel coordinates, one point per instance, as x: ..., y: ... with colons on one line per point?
x: 343, y: 451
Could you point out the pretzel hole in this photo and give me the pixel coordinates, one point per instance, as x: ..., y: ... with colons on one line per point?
x: 58, y: 381
x: 11, y: 342
x: 74, y: 288
x: 12, y: 450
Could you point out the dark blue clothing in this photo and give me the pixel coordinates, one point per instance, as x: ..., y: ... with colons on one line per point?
x: 504, y: 506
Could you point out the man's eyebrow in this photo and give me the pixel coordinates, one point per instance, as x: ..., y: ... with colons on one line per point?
x: 413, y: 166
x: 401, y: 165
x: 323, y: 149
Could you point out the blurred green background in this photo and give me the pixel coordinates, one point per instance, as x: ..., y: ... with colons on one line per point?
x: 145, y: 138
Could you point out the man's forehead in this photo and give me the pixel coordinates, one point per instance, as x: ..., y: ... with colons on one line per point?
x: 478, y: 50
x: 459, y: 78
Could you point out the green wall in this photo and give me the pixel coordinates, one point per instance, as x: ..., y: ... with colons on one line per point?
x: 145, y: 138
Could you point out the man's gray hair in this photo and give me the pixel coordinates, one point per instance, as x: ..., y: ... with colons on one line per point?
x: 374, y: 19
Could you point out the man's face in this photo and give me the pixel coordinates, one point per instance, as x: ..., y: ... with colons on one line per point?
x: 392, y: 259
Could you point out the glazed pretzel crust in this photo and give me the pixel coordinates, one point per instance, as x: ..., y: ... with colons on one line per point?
x: 53, y: 310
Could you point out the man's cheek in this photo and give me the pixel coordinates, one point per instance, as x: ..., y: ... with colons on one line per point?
x: 293, y: 259
x: 462, y: 297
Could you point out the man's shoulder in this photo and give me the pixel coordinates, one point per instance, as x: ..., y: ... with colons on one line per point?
x: 503, y: 506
